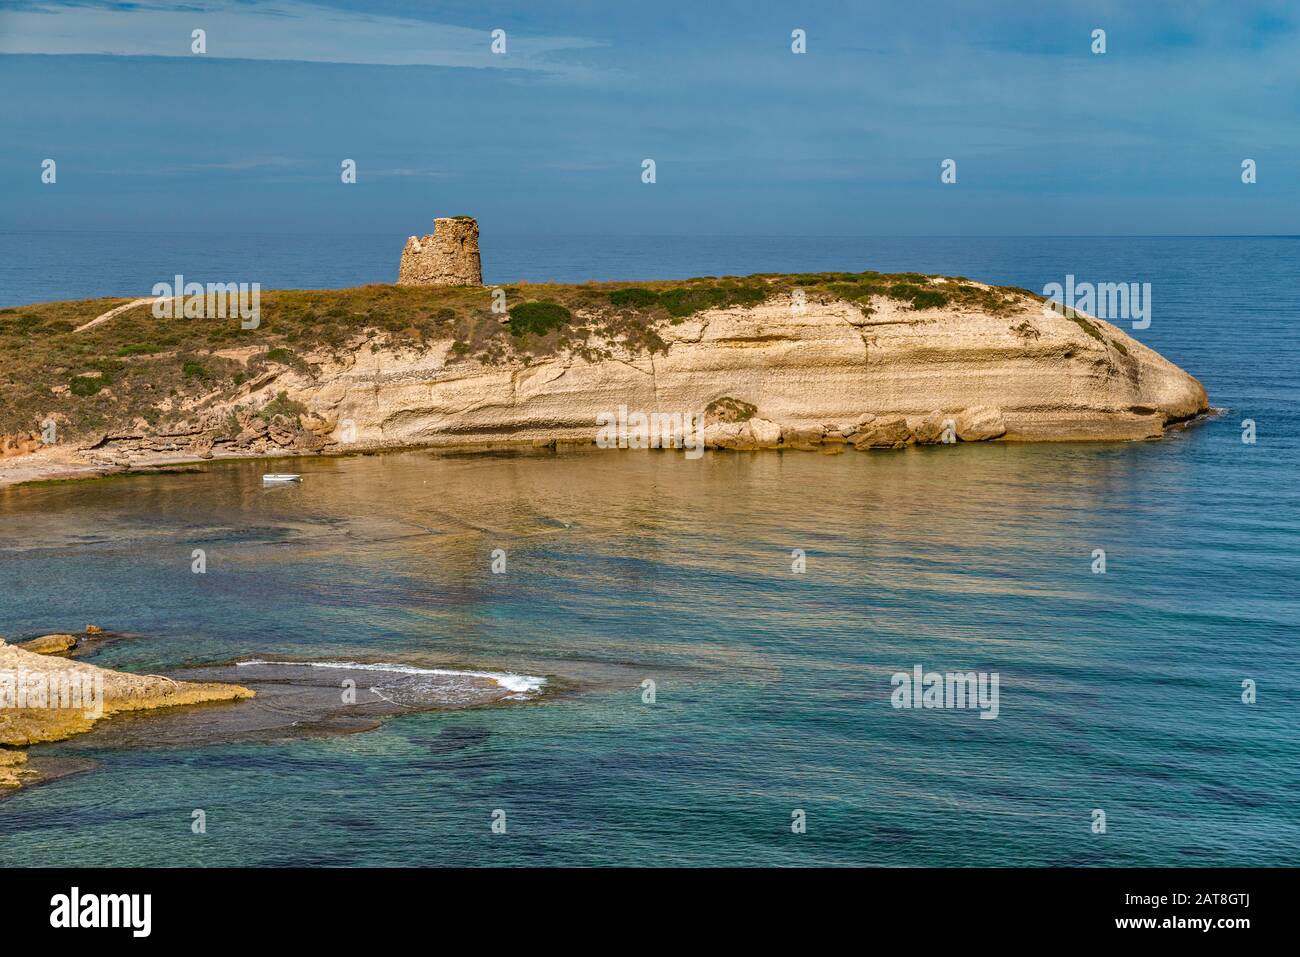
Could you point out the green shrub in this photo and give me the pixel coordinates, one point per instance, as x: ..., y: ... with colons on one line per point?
x: 139, y: 349
x: 85, y: 385
x: 539, y: 318
x: 929, y: 299
x: 1023, y: 291
x: 633, y: 296
x: 859, y: 291
x: 686, y: 300
x: 728, y: 409
x: 193, y: 370
x: 280, y: 354
x: 1078, y: 319
x: 1087, y: 327
x: 918, y: 297
x: 281, y: 405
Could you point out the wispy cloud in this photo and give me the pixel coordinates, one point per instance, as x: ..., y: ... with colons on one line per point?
x: 425, y: 173
x: 279, y: 30
x: 235, y: 166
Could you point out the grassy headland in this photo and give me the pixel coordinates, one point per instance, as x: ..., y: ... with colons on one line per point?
x: 137, y: 366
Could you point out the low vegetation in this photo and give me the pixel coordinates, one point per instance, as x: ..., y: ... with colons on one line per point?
x: 194, y: 370
x: 138, y: 349
x: 728, y: 409
x: 1083, y: 323
x: 538, y: 318
x: 281, y: 405
x: 84, y: 385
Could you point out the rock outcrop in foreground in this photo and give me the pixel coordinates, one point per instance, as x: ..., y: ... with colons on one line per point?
x: 62, y: 698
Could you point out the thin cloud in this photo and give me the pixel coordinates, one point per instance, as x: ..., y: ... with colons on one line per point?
x: 281, y: 30
x: 429, y: 173
x: 236, y: 165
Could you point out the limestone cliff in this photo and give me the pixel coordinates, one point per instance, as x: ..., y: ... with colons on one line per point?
x: 827, y: 371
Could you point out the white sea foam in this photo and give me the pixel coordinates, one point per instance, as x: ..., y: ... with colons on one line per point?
x: 517, y: 684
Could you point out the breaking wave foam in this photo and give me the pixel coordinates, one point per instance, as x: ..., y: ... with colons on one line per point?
x: 514, y: 683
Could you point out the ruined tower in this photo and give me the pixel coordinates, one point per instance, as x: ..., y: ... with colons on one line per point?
x: 449, y: 257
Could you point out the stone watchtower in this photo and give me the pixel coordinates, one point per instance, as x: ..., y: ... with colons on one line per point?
x: 449, y: 257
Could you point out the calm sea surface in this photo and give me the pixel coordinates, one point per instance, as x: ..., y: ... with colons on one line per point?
x: 1119, y: 692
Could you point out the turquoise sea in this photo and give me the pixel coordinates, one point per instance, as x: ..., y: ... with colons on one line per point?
x: 1119, y: 692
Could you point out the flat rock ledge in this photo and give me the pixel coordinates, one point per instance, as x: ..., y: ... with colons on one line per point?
x: 45, y: 678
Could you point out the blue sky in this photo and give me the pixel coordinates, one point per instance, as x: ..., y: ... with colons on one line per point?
x: 748, y: 138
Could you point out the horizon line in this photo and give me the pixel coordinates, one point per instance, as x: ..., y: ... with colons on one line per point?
x: 747, y: 235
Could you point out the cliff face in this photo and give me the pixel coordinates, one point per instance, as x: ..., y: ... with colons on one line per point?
x: 448, y: 257
x: 828, y: 372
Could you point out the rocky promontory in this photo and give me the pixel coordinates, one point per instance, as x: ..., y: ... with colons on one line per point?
x: 800, y: 362
x: 48, y: 698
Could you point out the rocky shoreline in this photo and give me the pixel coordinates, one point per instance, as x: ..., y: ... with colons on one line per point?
x: 45, y: 697
x: 139, y: 457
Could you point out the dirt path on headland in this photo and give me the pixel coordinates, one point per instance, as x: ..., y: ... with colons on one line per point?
x: 115, y: 311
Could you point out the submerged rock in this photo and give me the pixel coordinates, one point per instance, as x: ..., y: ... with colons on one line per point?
x: 314, y: 699
x: 49, y: 644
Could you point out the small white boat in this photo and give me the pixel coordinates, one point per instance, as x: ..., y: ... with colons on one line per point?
x: 278, y: 477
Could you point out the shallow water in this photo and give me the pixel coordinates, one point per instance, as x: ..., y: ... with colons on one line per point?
x: 1118, y: 692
